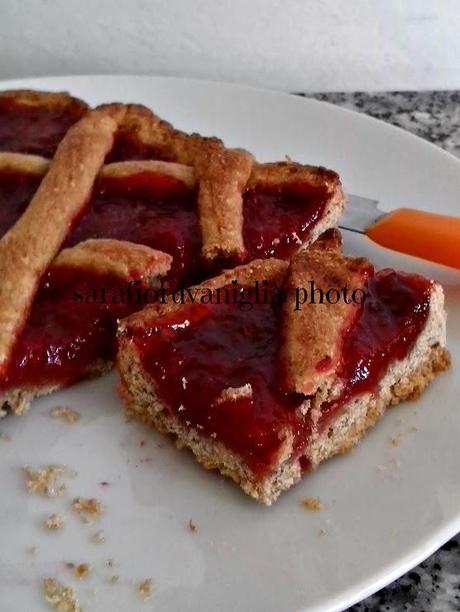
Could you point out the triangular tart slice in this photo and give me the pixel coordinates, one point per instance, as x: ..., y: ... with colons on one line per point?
x: 263, y: 390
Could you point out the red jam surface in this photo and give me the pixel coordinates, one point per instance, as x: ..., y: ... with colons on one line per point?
x: 129, y: 148
x: 69, y: 327
x: 393, y: 316
x: 16, y: 190
x: 277, y: 221
x: 33, y: 129
x: 154, y: 210
x: 195, y: 354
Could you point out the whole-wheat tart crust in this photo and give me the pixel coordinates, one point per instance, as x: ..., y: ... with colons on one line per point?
x: 325, y: 408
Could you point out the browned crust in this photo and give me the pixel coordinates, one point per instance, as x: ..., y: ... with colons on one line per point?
x: 141, y: 403
x: 276, y: 173
x: 312, y: 335
x: 272, y: 270
x: 43, y: 99
x: 124, y: 259
x: 28, y: 247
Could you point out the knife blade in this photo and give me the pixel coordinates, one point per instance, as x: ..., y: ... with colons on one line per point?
x: 414, y: 232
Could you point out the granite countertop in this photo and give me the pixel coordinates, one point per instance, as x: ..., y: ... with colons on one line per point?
x: 433, y: 586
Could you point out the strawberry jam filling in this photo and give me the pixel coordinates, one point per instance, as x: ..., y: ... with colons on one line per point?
x: 16, y: 191
x: 194, y: 354
x: 71, y: 325
x: 150, y: 209
x: 26, y: 128
x: 278, y: 220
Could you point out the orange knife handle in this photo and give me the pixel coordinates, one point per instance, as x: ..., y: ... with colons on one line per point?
x: 426, y: 235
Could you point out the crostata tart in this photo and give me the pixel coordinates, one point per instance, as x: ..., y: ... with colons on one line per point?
x: 95, y: 200
x: 264, y: 384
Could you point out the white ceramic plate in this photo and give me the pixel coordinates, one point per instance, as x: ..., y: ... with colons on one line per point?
x: 385, y: 508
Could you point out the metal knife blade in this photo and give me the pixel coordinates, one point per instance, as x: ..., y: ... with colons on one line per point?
x: 360, y: 213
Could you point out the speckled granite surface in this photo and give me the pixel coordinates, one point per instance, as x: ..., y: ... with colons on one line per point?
x: 433, y: 586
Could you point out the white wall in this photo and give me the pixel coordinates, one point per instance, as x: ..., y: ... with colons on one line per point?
x: 316, y: 45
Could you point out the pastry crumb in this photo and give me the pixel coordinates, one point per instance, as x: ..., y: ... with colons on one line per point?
x: 145, y: 588
x: 113, y: 579
x: 82, y: 570
x: 60, y: 597
x: 191, y: 526
x: 312, y: 503
x: 45, y: 481
x: 65, y: 414
x: 98, y: 537
x: 5, y: 437
x: 393, y: 442
x: 54, y: 522
x: 31, y: 550
x: 87, y: 508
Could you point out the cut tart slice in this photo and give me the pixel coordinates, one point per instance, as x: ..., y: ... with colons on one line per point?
x: 263, y: 388
x: 121, y: 173
x: 70, y: 330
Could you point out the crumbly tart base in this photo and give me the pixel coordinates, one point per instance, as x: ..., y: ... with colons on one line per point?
x: 404, y: 380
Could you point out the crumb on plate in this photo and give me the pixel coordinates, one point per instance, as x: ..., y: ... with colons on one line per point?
x: 87, y: 508
x: 60, y: 597
x: 82, y: 570
x: 54, y: 522
x: 65, y: 414
x: 145, y: 588
x: 45, y: 481
x: 312, y: 503
x: 192, y: 527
